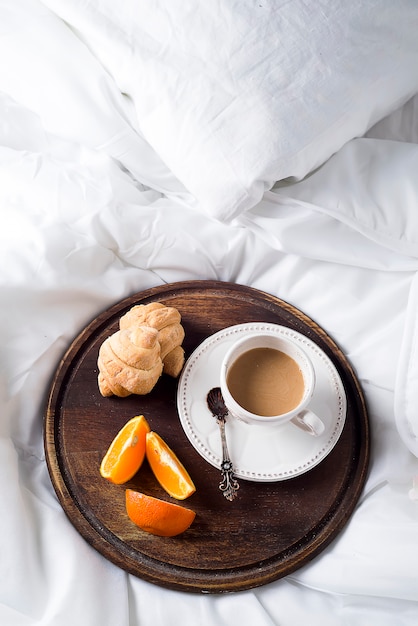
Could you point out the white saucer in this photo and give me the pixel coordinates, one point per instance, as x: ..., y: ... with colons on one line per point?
x: 258, y: 452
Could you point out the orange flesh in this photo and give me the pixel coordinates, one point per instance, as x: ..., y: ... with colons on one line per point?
x: 126, y: 453
x: 168, y: 470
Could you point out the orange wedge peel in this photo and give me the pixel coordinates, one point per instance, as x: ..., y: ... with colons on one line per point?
x: 156, y: 516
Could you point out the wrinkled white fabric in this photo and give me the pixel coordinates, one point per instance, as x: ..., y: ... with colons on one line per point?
x: 234, y: 96
x: 80, y: 231
x: 406, y: 391
x: 381, y: 205
x: 49, y: 71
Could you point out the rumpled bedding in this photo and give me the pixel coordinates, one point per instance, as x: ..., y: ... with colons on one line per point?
x: 91, y: 213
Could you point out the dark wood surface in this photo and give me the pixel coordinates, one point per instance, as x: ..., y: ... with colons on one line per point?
x: 269, y: 530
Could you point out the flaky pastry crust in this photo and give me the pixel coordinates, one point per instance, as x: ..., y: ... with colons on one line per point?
x: 147, y: 344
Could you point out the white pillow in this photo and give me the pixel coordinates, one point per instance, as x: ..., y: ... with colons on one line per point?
x: 234, y: 96
x: 50, y: 72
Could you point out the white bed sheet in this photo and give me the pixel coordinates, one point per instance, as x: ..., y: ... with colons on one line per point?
x: 81, y: 230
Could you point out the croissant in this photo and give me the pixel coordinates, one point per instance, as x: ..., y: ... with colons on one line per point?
x: 129, y: 362
x: 147, y: 344
x: 166, y: 319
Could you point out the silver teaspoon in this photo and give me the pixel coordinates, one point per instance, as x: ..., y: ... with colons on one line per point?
x: 228, y: 485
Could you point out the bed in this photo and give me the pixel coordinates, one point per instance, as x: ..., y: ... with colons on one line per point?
x: 269, y: 147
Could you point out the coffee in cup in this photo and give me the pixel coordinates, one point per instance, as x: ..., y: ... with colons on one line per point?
x: 269, y: 379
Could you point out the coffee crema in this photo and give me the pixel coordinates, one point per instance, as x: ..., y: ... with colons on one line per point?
x: 266, y: 382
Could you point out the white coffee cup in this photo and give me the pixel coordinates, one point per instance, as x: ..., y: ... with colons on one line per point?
x: 291, y: 383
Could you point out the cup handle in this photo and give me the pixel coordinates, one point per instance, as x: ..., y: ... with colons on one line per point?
x: 309, y: 422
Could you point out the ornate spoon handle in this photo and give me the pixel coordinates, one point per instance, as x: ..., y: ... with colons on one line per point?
x: 228, y: 485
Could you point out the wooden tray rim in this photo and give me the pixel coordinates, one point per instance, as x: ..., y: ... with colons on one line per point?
x: 152, y: 569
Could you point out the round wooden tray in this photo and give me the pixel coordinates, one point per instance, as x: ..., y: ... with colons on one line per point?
x: 269, y: 530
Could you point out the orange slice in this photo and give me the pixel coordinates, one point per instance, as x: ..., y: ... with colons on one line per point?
x: 157, y: 517
x: 126, y: 452
x: 168, y: 470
